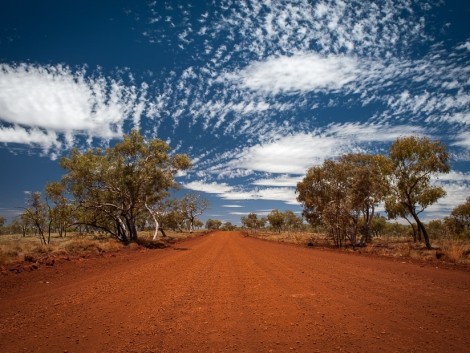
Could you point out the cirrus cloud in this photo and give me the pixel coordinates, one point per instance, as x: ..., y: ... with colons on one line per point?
x: 38, y: 101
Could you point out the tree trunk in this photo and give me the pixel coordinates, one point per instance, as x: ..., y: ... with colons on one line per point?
x: 413, y: 231
x: 122, y: 231
x: 49, y: 230
x: 155, y: 235
x: 152, y: 213
x: 133, y: 230
x: 422, y: 230
x: 191, y: 224
x: 370, y: 216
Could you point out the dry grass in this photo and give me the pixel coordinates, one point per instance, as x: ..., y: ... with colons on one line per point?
x: 16, y: 248
x: 455, y: 250
x: 445, y: 249
x: 299, y: 238
x: 172, y: 236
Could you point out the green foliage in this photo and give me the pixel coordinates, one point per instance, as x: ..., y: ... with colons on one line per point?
x: 459, y: 220
x: 276, y: 219
x: 378, y: 225
x: 251, y: 221
x: 36, y: 215
x: 2, y: 224
x: 111, y: 188
x: 171, y: 216
x: 213, y: 224
x: 341, y: 195
x: 291, y: 221
x: 61, y: 210
x: 192, y: 205
x: 414, y: 161
x: 284, y: 221
x: 228, y: 226
x: 437, y: 229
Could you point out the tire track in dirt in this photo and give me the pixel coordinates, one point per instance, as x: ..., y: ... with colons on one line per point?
x: 227, y: 293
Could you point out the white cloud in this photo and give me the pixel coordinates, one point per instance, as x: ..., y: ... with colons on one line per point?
x: 227, y: 192
x: 290, y: 154
x: 294, y: 154
x: 284, y: 194
x: 16, y: 134
x: 457, y: 118
x: 283, y: 180
x: 465, y: 46
x: 462, y: 139
x: 58, y: 101
x: 232, y: 206
x: 358, y: 133
x: 211, y: 188
x: 298, y: 73
x: 457, y: 187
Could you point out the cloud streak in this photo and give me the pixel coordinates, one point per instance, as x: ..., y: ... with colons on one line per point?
x: 41, y: 103
x: 302, y: 72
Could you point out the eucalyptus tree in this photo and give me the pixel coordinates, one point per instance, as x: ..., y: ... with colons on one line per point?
x: 193, y: 205
x: 36, y: 214
x: 111, y: 188
x: 251, y: 221
x: 166, y: 214
x: 228, y: 226
x: 323, y: 193
x: 21, y: 224
x: 414, y: 162
x: 276, y: 220
x: 342, y: 194
x: 291, y: 221
x: 367, y: 186
x: 61, y: 210
x: 213, y: 224
x: 460, y: 217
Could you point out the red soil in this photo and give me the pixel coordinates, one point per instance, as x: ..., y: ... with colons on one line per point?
x: 227, y: 293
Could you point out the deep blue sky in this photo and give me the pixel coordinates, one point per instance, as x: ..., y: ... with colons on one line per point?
x: 254, y: 91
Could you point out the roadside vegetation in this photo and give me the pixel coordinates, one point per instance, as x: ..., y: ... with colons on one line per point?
x: 451, y: 240
x: 340, y: 200
x: 391, y: 239
x: 118, y: 191
x: 24, y: 253
x: 106, y: 199
x: 123, y: 195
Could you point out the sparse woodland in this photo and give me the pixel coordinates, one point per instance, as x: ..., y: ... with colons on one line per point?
x: 117, y: 191
x: 125, y: 189
x: 340, y: 200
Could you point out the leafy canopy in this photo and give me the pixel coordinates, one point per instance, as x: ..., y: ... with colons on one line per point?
x: 111, y: 187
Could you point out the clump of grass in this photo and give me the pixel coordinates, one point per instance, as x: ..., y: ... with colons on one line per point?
x: 298, y: 238
x: 81, y: 246
x: 16, y: 248
x: 86, y: 246
x: 455, y: 251
x: 43, y: 249
x: 171, y: 236
x: 13, y: 249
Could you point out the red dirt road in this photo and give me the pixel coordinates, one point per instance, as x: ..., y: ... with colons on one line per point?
x: 227, y: 293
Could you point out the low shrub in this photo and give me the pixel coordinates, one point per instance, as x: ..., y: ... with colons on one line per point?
x: 456, y: 250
